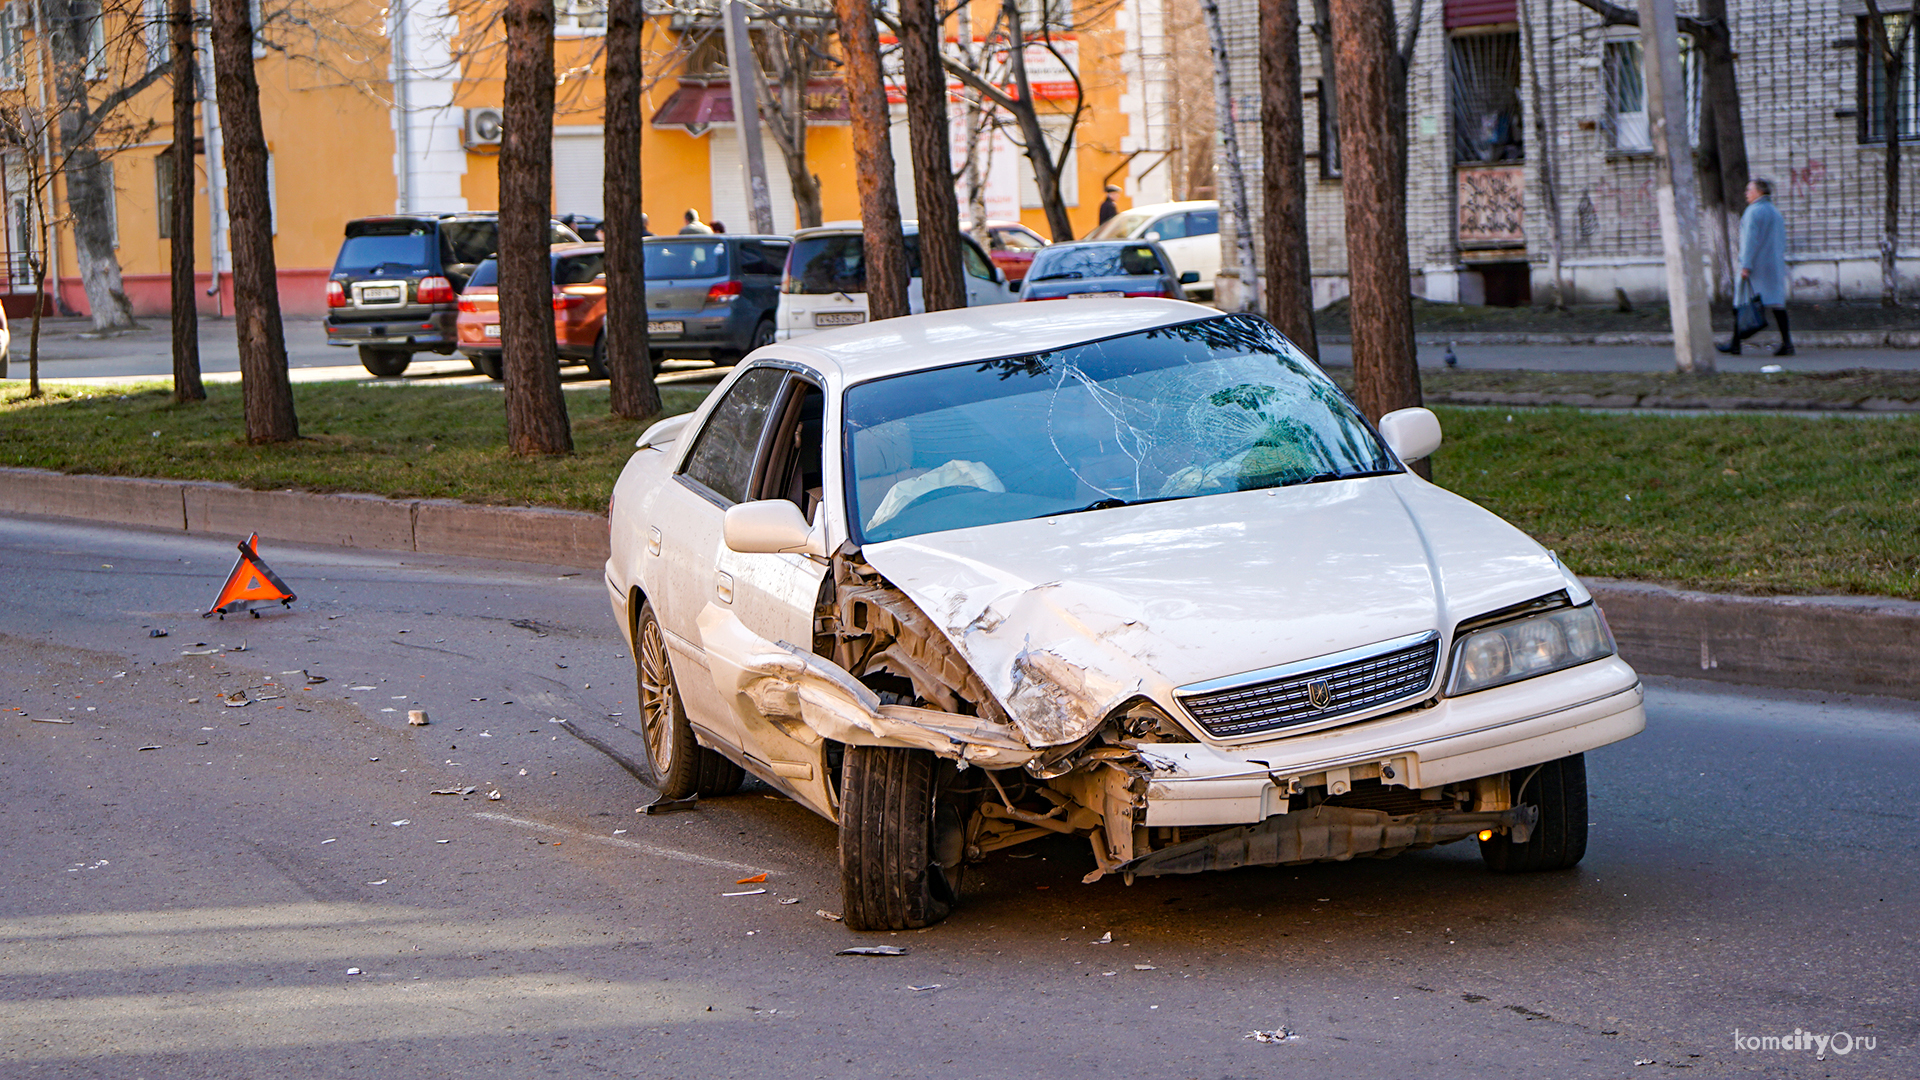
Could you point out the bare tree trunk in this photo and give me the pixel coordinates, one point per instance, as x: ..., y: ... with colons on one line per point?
x: 886, y: 246
x: 633, y: 394
x: 1728, y: 144
x: 942, y: 285
x: 265, y: 389
x: 87, y: 176
x: 1237, y: 202
x: 973, y: 172
x: 1546, y: 126
x: 1288, y: 296
x: 1384, y: 372
x: 1046, y: 176
x: 1891, y: 51
x: 186, y: 313
x: 536, y: 408
x: 789, y: 57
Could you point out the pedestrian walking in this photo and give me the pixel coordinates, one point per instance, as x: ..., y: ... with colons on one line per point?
x: 645, y: 229
x: 1763, y: 267
x: 1108, y: 207
x: 694, y: 226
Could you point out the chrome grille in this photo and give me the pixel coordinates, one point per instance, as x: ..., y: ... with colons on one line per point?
x: 1341, y: 684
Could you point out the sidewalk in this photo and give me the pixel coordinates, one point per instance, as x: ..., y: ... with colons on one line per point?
x: 1862, y: 645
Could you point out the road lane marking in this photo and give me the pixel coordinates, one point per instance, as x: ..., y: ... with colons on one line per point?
x: 632, y: 845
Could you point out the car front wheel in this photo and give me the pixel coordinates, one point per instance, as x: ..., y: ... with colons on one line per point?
x: 385, y: 363
x: 891, y: 833
x: 677, y: 766
x: 1558, y: 789
x: 487, y: 364
x: 597, y: 360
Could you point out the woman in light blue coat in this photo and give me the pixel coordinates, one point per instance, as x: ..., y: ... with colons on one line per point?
x: 1763, y: 264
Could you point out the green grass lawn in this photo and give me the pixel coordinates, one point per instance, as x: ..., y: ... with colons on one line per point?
x: 1730, y: 503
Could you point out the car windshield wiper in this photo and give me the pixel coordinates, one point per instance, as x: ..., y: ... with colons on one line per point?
x: 1323, y: 477
x: 1062, y: 274
x: 1110, y: 503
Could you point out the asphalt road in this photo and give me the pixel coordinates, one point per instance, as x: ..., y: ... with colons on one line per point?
x: 193, y: 889
x: 69, y: 353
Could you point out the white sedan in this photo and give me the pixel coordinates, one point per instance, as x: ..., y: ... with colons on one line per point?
x: 1133, y: 571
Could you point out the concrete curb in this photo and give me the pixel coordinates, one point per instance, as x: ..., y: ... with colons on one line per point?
x: 429, y: 526
x: 1860, y: 645
x: 1531, y: 399
x: 1813, y: 339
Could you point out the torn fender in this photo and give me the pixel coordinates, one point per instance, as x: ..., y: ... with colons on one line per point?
x: 778, y: 683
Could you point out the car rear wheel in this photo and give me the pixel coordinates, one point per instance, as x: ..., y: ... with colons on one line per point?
x: 385, y: 363
x: 487, y: 364
x: 762, y: 335
x: 1559, y: 838
x: 597, y: 360
x: 891, y: 839
x: 677, y: 765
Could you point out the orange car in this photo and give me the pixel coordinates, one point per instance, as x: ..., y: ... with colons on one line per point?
x: 579, y: 310
x: 1011, y: 246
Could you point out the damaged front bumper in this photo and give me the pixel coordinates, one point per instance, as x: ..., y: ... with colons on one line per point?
x: 1328, y: 834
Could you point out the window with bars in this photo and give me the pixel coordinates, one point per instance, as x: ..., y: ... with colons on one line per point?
x: 1873, y: 83
x: 1624, y: 77
x: 579, y: 16
x: 1483, y: 89
x: 12, y: 24
x: 154, y: 33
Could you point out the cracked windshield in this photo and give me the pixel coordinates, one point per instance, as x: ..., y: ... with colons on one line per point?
x: 1200, y: 409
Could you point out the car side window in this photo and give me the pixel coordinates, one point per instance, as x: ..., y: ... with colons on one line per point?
x: 793, y: 469
x: 1203, y: 222
x: 1171, y: 227
x: 762, y: 259
x: 976, y: 264
x: 723, y: 457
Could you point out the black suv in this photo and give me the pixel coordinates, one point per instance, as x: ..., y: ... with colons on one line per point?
x: 396, y: 283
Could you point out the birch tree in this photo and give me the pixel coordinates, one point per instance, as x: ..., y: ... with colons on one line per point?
x: 1887, y: 36
x: 536, y: 409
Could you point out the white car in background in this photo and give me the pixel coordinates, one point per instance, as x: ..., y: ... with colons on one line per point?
x: 1128, y: 570
x: 1189, y: 232
x: 826, y: 280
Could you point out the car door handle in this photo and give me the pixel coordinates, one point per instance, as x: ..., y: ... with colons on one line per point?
x: 653, y: 539
x: 723, y: 587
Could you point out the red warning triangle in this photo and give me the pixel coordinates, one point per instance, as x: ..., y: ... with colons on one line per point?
x: 250, y: 583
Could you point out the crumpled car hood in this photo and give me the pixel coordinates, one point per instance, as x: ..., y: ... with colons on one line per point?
x: 1067, y: 618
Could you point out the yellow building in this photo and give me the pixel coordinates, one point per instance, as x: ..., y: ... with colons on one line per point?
x: 370, y: 109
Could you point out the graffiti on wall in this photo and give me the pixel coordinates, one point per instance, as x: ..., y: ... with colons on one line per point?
x: 1803, y: 181
x: 1492, y: 202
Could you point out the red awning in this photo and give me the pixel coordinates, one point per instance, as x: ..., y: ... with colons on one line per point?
x: 697, y: 104
x: 1463, y: 13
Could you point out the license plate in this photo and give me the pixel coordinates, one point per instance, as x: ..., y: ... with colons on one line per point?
x: 389, y: 292
x: 1092, y: 295
x: 839, y: 318
x: 491, y: 330
x: 666, y: 326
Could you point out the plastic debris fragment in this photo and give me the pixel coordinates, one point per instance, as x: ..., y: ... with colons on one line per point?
x: 1277, y: 1035
x: 873, y: 950
x: 754, y: 880
x: 417, y: 717
x: 749, y: 892
x: 827, y: 915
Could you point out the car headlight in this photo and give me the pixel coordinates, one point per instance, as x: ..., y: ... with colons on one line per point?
x: 1552, y: 641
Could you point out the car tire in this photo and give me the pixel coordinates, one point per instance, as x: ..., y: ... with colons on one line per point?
x: 487, y: 364
x: 1559, y: 838
x: 385, y: 363
x: 676, y: 766
x: 597, y: 360
x: 890, y: 875
x: 762, y: 335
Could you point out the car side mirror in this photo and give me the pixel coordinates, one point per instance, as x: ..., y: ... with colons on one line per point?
x: 769, y: 526
x: 664, y: 432
x: 1191, y: 277
x: 1152, y: 235
x: 1410, y: 433
x: 1013, y: 286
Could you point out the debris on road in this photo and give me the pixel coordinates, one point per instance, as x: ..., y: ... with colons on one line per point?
x: 754, y: 880
x: 417, y: 717
x: 749, y: 892
x: 199, y: 649
x: 1105, y: 939
x: 790, y: 900
x: 156, y: 632
x: 50, y: 720
x: 236, y: 700
x: 353, y: 971
x: 493, y: 796
x: 468, y: 790
x: 1277, y: 1035
x: 329, y: 840
x: 668, y: 806
x: 828, y: 915
x: 402, y: 821
x: 924, y: 989
x: 312, y: 679
x: 363, y: 688
x: 382, y: 881
x: 1145, y: 967
x: 156, y: 746
x: 873, y: 950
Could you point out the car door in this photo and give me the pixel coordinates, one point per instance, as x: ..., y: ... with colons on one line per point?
x: 774, y: 595
x: 716, y: 473
x: 983, y: 285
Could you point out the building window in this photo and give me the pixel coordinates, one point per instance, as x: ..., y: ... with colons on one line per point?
x: 1329, y: 123
x: 1055, y: 129
x: 1039, y: 17
x: 92, y: 29
x: 580, y: 16
x: 1483, y: 85
x: 1873, y: 84
x: 1624, y: 72
x: 153, y: 16
x: 12, y: 23
x: 163, y: 193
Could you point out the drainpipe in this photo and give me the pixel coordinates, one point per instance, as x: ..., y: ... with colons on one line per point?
x: 50, y: 236
x: 403, y: 119
x: 216, y: 169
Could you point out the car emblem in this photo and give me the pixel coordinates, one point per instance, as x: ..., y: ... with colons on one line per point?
x: 1319, y: 693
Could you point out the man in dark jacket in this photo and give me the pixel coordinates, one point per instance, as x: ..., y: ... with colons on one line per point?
x: 1108, y: 207
x: 1763, y: 265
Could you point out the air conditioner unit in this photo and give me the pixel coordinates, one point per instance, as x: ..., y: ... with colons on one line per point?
x: 484, y: 127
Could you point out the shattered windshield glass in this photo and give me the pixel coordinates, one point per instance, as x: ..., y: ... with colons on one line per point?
x: 1204, y: 408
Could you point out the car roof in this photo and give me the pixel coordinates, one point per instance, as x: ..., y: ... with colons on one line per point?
x: 877, y: 350
x: 667, y: 238
x: 908, y: 225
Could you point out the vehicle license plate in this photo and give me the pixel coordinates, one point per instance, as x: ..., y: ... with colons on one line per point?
x: 1091, y: 295
x: 838, y: 318
x: 669, y: 326
x: 384, y: 292
x: 491, y: 330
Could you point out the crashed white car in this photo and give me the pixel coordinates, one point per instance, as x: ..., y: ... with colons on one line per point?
x: 1131, y: 570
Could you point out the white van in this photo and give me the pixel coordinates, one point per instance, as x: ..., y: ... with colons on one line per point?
x: 826, y: 280
x: 1189, y: 232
